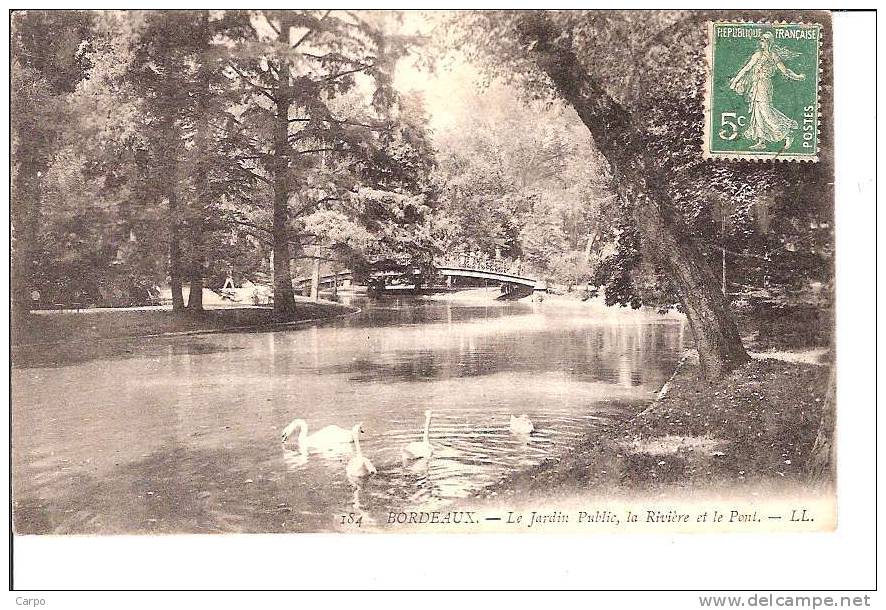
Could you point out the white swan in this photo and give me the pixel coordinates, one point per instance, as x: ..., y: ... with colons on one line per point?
x: 417, y: 450
x: 521, y: 425
x: 359, y: 466
x: 324, y: 439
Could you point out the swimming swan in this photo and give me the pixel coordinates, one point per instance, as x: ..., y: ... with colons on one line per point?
x: 521, y: 425
x: 359, y: 466
x: 417, y: 450
x: 324, y: 439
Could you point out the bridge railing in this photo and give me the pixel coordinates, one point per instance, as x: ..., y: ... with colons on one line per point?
x: 482, y: 262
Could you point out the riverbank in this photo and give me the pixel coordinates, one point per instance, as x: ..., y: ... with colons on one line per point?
x: 41, y: 328
x: 487, y: 296
x: 751, y: 430
x: 568, y: 302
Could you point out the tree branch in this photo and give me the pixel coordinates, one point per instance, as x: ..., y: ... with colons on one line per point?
x: 378, y: 126
x: 263, y: 90
x: 253, y: 174
x: 319, y: 150
x: 331, y: 77
x: 381, y: 127
x: 251, y: 225
x: 271, y: 24
x: 311, y: 31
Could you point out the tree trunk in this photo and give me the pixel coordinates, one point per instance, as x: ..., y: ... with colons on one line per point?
x: 26, y: 229
x: 284, y: 297
x: 175, y: 281
x: 716, y: 337
x: 315, y: 278
x: 195, y: 296
x: 822, y: 462
x: 592, y: 239
x: 200, y: 209
x: 661, y: 230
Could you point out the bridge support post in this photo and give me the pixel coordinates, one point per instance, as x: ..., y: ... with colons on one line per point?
x: 315, y: 280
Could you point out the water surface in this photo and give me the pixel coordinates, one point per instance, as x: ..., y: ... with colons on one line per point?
x: 183, y: 434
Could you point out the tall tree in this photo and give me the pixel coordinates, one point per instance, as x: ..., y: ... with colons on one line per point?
x: 158, y: 77
x: 215, y: 145
x: 48, y: 53
x: 293, y: 66
x: 178, y: 75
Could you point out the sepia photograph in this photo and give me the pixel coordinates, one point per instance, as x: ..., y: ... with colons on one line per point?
x: 426, y: 271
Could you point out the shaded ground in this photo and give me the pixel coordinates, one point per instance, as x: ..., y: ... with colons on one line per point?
x: 800, y: 326
x: 94, y: 324
x: 754, y: 428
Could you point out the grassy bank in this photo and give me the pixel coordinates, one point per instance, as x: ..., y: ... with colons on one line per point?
x: 101, y: 324
x: 752, y: 429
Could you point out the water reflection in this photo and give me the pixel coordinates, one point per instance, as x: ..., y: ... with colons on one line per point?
x: 184, y: 422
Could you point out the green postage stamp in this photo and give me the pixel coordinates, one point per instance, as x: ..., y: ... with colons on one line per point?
x: 762, y: 91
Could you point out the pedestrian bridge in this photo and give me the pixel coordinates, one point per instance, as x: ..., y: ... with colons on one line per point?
x: 493, y: 270
x: 500, y: 270
x: 503, y: 277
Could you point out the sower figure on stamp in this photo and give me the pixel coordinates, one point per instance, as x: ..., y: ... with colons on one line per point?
x: 754, y: 81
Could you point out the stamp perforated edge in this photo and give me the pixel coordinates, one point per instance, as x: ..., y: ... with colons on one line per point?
x: 708, y: 94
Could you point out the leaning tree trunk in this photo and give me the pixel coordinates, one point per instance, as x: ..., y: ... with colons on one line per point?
x: 661, y: 230
x: 716, y: 336
x: 284, y: 296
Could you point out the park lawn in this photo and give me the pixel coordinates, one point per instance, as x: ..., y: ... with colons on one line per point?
x: 99, y: 324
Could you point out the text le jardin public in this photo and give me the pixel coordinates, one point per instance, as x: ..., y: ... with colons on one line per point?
x: 604, y: 516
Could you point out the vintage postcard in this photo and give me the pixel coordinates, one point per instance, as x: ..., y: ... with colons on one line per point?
x: 287, y: 271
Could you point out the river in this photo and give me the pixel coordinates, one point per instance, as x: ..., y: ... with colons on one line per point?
x: 182, y: 434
